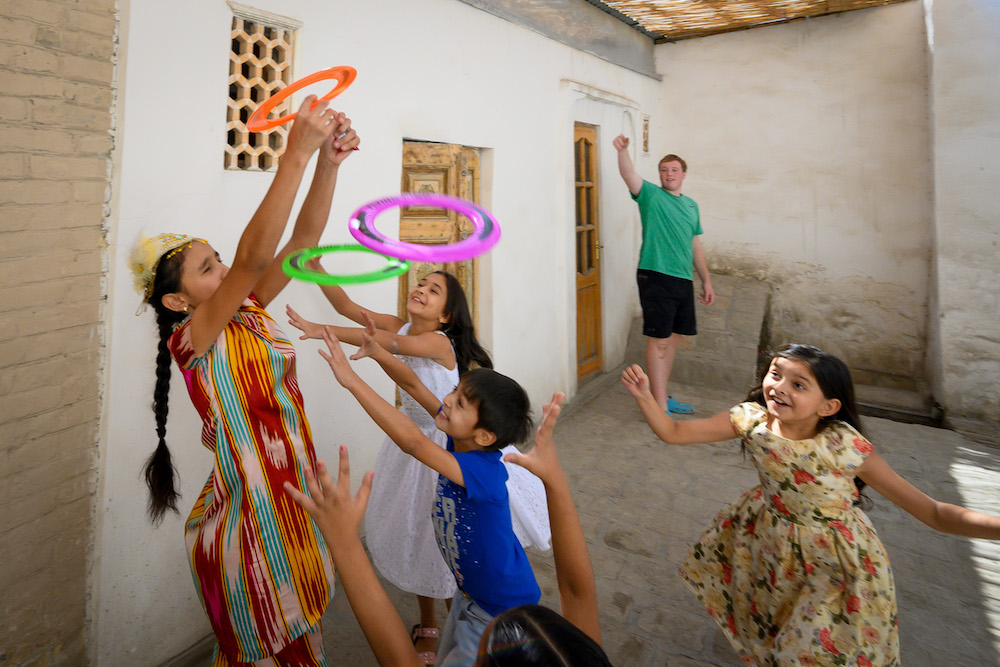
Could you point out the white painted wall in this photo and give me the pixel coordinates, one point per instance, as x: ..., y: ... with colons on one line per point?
x: 808, y: 152
x: 965, y: 107
x: 436, y: 70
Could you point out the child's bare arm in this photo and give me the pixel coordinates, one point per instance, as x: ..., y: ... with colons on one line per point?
x: 687, y: 432
x: 338, y: 516
x: 944, y: 517
x: 255, y: 251
x: 343, y: 304
x: 574, y: 572
x: 315, y: 212
x: 430, y: 345
x: 400, y: 373
x: 400, y: 429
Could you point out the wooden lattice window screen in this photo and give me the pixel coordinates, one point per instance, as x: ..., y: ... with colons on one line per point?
x: 260, y: 64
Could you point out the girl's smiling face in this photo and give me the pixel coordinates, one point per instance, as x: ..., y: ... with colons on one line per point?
x: 427, y: 300
x: 792, y: 394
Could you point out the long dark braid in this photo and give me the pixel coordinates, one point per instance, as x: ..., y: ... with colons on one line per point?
x: 159, y: 469
x: 460, y: 329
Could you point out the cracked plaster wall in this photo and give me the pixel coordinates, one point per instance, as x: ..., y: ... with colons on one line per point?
x: 808, y: 147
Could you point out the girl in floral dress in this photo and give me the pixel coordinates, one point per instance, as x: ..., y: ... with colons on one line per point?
x: 793, y: 572
x: 261, y: 568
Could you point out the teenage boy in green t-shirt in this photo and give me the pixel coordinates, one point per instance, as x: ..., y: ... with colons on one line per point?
x: 670, y: 247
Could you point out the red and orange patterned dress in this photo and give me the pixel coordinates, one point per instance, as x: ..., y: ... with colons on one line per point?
x: 261, y: 567
x: 793, y: 572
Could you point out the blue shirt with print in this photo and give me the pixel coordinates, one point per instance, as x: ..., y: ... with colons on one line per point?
x: 474, y: 533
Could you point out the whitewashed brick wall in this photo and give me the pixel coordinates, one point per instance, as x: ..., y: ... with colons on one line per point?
x: 56, y: 65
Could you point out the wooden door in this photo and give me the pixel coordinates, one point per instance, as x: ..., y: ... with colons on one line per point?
x: 588, y: 268
x: 440, y: 169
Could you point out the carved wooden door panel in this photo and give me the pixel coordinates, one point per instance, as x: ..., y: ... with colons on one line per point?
x: 440, y: 169
x: 588, y: 267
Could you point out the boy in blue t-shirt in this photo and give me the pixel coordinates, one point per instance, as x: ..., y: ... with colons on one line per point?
x: 486, y: 412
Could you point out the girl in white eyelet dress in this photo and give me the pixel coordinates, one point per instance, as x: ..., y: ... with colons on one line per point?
x: 438, y: 344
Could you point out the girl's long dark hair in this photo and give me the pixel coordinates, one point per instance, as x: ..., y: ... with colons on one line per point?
x: 460, y: 329
x: 535, y: 636
x: 834, y: 380
x: 159, y: 469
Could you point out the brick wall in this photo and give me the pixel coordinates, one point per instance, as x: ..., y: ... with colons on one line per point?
x: 56, y: 64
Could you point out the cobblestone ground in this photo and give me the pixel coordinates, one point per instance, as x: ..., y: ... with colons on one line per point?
x: 643, y: 503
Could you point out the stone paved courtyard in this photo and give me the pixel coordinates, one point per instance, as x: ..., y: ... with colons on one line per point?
x: 643, y: 503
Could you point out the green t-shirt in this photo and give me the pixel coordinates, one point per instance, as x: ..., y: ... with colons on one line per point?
x: 669, y: 225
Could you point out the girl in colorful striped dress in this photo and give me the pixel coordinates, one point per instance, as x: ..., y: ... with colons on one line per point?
x: 262, y: 571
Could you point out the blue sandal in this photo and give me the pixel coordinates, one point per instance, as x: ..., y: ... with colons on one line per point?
x: 676, y: 407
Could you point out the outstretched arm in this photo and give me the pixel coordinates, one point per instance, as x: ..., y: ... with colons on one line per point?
x: 574, y: 571
x: 400, y: 429
x: 944, y: 517
x: 343, y: 304
x: 315, y: 212
x: 401, y: 374
x: 338, y: 516
x: 632, y: 179
x: 430, y: 344
x: 312, y: 127
x: 687, y: 432
x: 707, y: 296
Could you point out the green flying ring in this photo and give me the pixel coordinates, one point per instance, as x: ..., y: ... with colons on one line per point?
x: 294, y: 266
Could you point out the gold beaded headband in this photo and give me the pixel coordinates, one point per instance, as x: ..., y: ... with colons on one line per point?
x: 147, y: 255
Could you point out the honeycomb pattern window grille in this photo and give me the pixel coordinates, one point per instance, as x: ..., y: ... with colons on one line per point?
x: 260, y: 64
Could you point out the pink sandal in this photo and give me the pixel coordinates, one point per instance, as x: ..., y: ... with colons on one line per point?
x: 420, y: 632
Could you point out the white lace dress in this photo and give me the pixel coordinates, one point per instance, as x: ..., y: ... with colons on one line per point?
x: 398, y: 526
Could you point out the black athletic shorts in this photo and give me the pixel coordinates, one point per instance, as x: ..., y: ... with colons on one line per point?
x: 667, y: 304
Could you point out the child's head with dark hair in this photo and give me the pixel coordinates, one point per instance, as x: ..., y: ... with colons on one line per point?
x: 460, y: 328
x: 532, y: 635
x: 832, y: 376
x: 486, y: 403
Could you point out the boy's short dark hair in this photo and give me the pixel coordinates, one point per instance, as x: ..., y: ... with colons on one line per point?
x: 504, y: 407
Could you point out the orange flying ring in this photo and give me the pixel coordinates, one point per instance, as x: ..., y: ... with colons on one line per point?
x: 258, y: 121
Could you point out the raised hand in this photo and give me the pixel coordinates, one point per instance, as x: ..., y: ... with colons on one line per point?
x: 542, y: 459
x: 369, y: 346
x: 308, y: 329
x: 314, y: 124
x: 315, y: 264
x: 342, y: 142
x: 336, y: 512
x: 621, y: 142
x: 339, y: 364
x: 636, y: 381
x: 370, y: 327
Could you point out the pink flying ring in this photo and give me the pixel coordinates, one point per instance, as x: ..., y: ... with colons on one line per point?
x: 485, y: 234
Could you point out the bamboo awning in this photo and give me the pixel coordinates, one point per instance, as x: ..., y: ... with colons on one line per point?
x: 682, y: 19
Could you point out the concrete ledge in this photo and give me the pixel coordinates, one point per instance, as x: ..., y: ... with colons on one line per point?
x: 197, y: 655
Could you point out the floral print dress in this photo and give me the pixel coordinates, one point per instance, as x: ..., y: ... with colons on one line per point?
x: 793, y: 572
